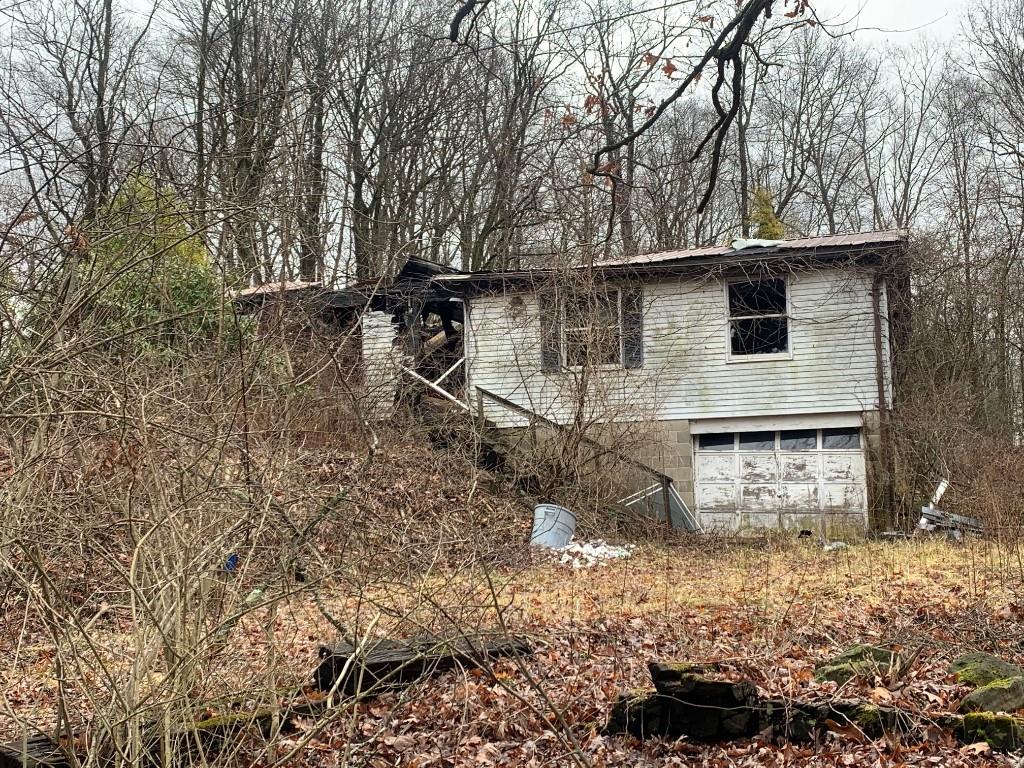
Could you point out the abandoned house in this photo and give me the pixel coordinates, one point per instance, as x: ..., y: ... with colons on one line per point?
x: 758, y: 374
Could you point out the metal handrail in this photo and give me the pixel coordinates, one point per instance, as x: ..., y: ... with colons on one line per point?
x: 522, y: 410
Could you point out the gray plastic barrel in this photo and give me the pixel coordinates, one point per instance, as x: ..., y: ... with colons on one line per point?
x: 553, y: 526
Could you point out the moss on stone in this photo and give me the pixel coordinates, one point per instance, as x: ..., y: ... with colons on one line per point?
x: 856, y: 654
x: 857, y: 660
x: 979, y: 668
x: 1005, y: 695
x: 836, y: 673
x: 869, y: 718
x: 1003, y: 732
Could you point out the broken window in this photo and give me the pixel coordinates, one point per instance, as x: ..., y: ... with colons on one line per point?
x: 758, y: 323
x: 593, y: 329
x: 841, y: 439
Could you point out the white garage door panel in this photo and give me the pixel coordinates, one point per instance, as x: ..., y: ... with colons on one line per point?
x: 800, y: 467
x: 758, y: 468
x: 799, y: 496
x: 842, y: 497
x: 760, y: 488
x: 845, y: 468
x: 759, y: 498
x: 717, y: 467
x: 718, y: 521
x: 713, y: 496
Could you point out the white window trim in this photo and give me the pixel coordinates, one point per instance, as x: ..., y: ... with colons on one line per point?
x: 734, y: 358
x: 767, y: 423
x: 618, y: 365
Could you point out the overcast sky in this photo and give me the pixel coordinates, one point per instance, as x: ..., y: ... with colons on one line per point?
x: 895, y: 20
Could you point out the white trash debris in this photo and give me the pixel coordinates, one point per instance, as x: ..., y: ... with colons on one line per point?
x: 587, y: 554
x: 835, y: 546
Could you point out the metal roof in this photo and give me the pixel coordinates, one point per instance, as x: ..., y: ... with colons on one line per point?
x: 287, y: 286
x: 883, y: 237
x: 826, y: 246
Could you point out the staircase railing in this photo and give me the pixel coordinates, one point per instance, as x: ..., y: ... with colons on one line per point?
x: 668, y: 491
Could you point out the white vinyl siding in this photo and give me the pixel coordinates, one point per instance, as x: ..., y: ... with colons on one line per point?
x: 687, y: 372
x: 381, y: 361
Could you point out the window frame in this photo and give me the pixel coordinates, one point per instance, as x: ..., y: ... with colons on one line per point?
x: 734, y: 357
x: 855, y: 431
x: 819, y: 441
x: 566, y: 328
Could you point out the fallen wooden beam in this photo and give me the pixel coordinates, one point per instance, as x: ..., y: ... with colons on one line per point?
x: 388, y: 664
x: 35, y: 752
x: 364, y: 671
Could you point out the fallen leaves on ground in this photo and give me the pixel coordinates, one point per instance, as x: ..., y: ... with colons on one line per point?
x: 764, y: 612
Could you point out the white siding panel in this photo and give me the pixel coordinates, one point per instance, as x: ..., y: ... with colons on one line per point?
x: 686, y: 372
x: 381, y: 362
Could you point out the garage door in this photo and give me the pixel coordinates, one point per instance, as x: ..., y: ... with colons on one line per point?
x: 787, y: 478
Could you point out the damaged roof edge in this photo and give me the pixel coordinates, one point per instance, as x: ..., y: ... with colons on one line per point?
x: 851, y: 241
x: 861, y: 246
x: 415, y: 274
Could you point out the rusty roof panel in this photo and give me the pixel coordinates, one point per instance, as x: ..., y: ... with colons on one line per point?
x: 884, y: 237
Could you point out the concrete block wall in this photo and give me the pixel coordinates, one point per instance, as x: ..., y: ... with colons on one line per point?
x: 670, y: 450
x: 878, y: 474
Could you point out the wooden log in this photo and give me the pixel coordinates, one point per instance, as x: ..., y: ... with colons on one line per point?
x: 646, y: 714
x: 688, y: 702
x: 803, y: 720
x: 390, y: 664
x: 704, y: 708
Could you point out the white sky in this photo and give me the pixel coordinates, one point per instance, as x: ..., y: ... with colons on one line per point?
x: 895, y: 20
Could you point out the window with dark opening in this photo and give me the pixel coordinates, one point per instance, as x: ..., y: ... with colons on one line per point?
x: 798, y: 439
x: 841, y: 439
x: 758, y: 324
x: 726, y: 442
x: 592, y: 329
x: 757, y: 441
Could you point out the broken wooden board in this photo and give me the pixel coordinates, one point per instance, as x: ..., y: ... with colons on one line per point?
x: 389, y: 664
x: 210, y: 732
x: 34, y: 752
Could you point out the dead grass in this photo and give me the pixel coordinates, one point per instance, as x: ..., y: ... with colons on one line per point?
x: 769, y: 610
x: 773, y: 577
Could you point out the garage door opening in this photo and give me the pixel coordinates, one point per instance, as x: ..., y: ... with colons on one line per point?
x: 780, y: 478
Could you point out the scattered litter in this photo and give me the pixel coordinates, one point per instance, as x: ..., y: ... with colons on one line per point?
x: 954, y: 526
x: 936, y: 520
x: 833, y: 546
x: 587, y: 554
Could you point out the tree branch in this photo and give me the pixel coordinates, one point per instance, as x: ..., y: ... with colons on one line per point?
x: 726, y: 49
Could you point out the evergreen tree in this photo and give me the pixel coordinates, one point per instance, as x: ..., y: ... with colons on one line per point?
x: 762, y: 216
